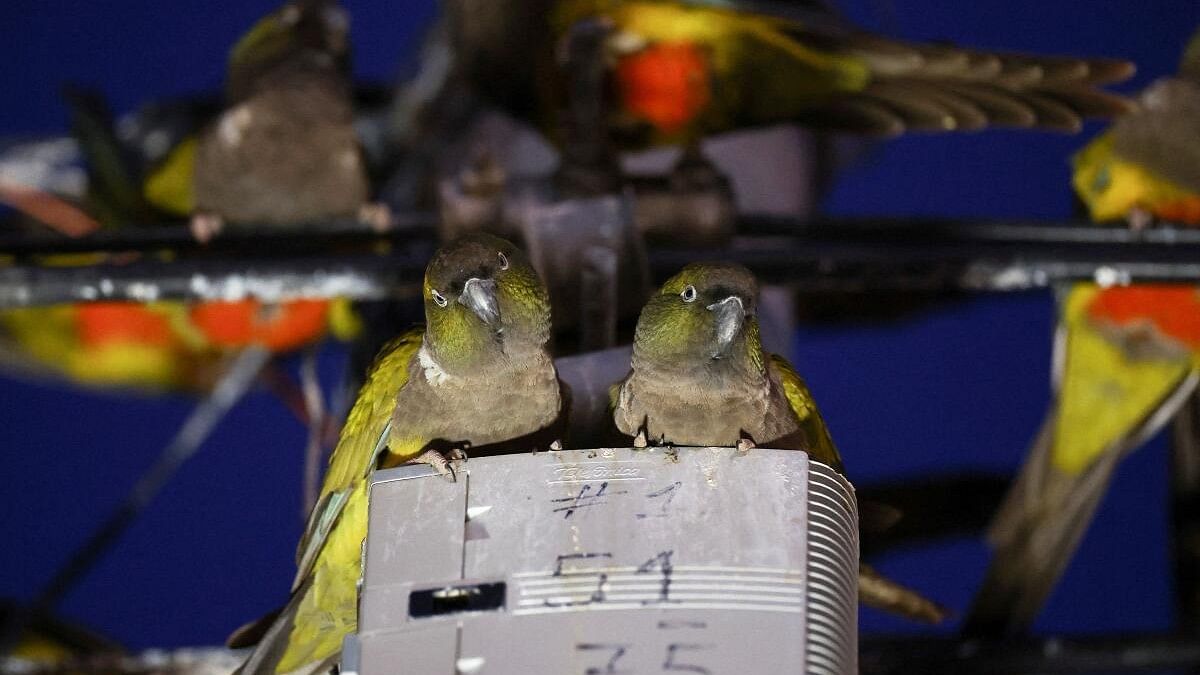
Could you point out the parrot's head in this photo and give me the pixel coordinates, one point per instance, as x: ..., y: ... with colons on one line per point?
x: 1108, y: 185
x: 483, y: 302
x: 316, y: 29
x: 704, y: 316
x: 1189, y: 64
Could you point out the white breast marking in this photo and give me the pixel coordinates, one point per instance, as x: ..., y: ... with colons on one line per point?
x: 233, y: 124
x: 433, y: 372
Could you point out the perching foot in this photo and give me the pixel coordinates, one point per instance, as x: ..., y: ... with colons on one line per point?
x: 1139, y: 219
x: 445, y: 465
x: 376, y: 214
x: 205, y: 226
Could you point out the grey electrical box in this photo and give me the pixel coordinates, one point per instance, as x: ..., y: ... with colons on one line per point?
x: 590, y: 562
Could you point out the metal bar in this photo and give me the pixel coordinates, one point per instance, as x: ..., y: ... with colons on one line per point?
x: 820, y: 255
x: 1108, y: 654
x: 359, y: 276
x: 177, y: 237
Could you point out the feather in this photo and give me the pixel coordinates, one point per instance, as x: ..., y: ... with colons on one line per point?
x: 1163, y: 134
x: 1051, y: 113
x: 856, y: 114
x: 1001, y: 107
x: 1088, y: 102
x: 1069, y: 468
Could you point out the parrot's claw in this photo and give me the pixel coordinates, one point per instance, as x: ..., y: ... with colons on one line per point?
x: 439, y: 462
x: 640, y: 441
x: 458, y: 454
x: 205, y: 226
x: 744, y: 445
x: 1139, y: 219
x: 556, y: 445
x: 378, y: 215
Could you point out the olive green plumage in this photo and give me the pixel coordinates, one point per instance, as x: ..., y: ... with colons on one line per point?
x: 700, y: 375
x: 285, y: 150
x: 758, y: 68
x: 463, y: 356
x: 478, y: 374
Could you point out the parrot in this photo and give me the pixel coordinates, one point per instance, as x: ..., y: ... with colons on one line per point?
x: 1125, y: 357
x: 478, y: 374
x: 290, y: 75
x: 699, y: 376
x: 678, y: 70
x: 163, y: 345
x: 1147, y: 164
x: 284, y: 151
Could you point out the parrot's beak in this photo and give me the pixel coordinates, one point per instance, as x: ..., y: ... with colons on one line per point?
x: 728, y: 316
x: 479, y: 296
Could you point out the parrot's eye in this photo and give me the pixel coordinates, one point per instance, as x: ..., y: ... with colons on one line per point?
x: 503, y: 261
x: 689, y: 293
x: 438, y: 298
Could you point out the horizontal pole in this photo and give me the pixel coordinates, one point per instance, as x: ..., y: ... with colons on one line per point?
x: 834, y: 255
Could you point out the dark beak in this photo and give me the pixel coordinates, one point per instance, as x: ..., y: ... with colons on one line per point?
x: 728, y: 316
x: 479, y: 296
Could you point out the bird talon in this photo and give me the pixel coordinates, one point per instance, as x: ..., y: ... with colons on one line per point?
x: 640, y: 441
x: 744, y: 445
x: 205, y: 226
x: 443, y: 466
x: 1139, y: 219
x: 376, y: 214
x: 556, y: 445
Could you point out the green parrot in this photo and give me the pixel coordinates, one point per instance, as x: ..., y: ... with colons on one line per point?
x: 701, y: 377
x: 478, y: 374
x: 284, y: 151
x: 678, y: 70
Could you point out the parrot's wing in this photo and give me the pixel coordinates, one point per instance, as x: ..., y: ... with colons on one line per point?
x: 1163, y: 134
x: 874, y: 589
x: 1107, y: 405
x: 168, y: 186
x: 362, y: 442
x: 273, y: 642
x: 113, y: 193
x: 935, y: 87
x: 821, y: 447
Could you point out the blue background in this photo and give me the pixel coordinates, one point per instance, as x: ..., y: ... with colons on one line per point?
x: 960, y: 386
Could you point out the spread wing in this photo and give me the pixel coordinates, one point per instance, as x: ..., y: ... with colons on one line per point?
x: 821, y: 72
x: 821, y: 447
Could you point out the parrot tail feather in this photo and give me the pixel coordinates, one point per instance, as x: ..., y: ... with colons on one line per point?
x: 876, y: 590
x: 1042, y: 520
x: 1027, y: 566
x: 252, y: 632
x: 275, y: 631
